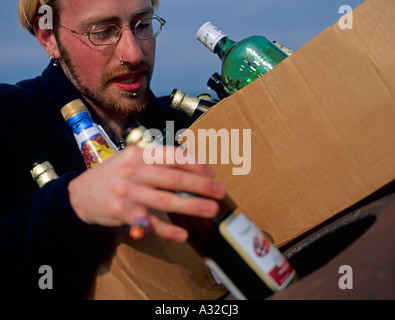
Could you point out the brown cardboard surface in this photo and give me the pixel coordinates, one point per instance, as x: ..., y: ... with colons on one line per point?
x: 323, y: 137
x: 156, y: 269
x: 323, y: 126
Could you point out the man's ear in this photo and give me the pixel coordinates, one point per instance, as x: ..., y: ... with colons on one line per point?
x: 47, y: 39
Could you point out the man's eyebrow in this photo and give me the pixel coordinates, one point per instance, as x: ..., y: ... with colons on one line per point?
x: 106, y: 19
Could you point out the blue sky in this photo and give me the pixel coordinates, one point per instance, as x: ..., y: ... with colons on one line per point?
x: 182, y: 61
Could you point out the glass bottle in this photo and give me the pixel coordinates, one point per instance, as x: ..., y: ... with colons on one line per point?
x: 93, y: 142
x: 288, y: 51
x: 215, y: 83
x: 191, y: 105
x: 95, y: 147
x: 243, y: 61
x: 233, y: 247
x: 206, y: 96
x: 43, y: 172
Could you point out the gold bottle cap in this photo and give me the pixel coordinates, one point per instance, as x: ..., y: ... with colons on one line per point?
x: 43, y: 173
x: 139, y: 136
x: 136, y: 137
x: 184, y: 102
x: 73, y: 108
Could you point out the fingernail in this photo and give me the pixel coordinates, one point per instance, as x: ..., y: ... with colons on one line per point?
x: 180, y: 236
x: 210, y: 171
x: 218, y: 188
x: 210, y: 208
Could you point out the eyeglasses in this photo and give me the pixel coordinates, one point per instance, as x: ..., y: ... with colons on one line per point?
x: 107, y: 34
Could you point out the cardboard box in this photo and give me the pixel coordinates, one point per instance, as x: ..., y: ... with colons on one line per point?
x: 322, y: 138
x: 322, y: 125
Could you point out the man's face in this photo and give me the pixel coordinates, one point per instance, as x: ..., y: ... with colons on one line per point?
x: 96, y: 70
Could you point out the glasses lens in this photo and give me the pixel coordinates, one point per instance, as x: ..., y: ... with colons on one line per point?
x: 147, y: 28
x: 104, y: 34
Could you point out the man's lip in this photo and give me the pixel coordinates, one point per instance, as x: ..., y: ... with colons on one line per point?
x: 137, y: 80
x: 127, y: 76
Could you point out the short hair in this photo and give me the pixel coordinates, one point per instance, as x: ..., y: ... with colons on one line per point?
x: 28, y: 11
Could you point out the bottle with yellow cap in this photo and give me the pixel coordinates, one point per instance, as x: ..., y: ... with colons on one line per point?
x: 94, y: 144
x: 95, y: 147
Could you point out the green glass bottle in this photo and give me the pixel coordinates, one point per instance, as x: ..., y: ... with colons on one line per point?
x: 243, y: 61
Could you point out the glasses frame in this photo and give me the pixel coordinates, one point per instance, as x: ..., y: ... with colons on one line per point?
x: 132, y: 28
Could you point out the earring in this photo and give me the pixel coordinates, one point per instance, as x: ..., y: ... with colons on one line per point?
x: 54, y: 61
x: 121, y: 60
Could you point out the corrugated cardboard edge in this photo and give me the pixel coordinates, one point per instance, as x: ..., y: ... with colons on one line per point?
x: 325, y: 137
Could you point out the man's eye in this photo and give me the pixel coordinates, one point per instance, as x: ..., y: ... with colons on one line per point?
x: 103, y: 32
x: 144, y: 26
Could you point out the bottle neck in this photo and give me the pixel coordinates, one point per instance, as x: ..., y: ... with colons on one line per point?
x: 215, y: 83
x: 191, y: 105
x: 80, y: 122
x: 204, y: 105
x: 43, y: 172
x: 223, y: 47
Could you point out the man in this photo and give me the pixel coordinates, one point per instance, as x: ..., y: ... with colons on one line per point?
x: 102, y: 53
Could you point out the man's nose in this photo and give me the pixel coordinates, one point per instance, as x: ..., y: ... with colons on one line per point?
x: 128, y: 47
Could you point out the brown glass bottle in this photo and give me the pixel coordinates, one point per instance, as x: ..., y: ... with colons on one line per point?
x: 233, y: 247
x: 215, y: 83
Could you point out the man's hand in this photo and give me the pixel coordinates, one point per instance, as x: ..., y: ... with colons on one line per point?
x: 125, y: 187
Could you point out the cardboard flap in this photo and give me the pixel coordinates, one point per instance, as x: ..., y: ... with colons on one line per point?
x: 322, y: 127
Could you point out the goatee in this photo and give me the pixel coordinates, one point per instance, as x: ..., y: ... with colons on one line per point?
x: 110, y: 104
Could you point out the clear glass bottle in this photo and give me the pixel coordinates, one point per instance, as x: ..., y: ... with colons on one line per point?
x: 95, y: 147
x: 93, y: 142
x: 191, y: 105
x: 232, y: 246
x: 243, y: 61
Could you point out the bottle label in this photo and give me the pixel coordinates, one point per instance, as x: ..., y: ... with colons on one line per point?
x: 257, y: 250
x: 94, y: 147
x: 210, y: 35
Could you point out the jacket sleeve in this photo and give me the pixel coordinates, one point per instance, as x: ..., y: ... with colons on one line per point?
x: 38, y: 227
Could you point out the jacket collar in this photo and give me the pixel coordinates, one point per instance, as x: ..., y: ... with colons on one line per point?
x: 58, y: 91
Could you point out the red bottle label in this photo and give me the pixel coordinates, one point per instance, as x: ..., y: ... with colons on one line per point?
x: 96, y: 150
x: 257, y: 250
